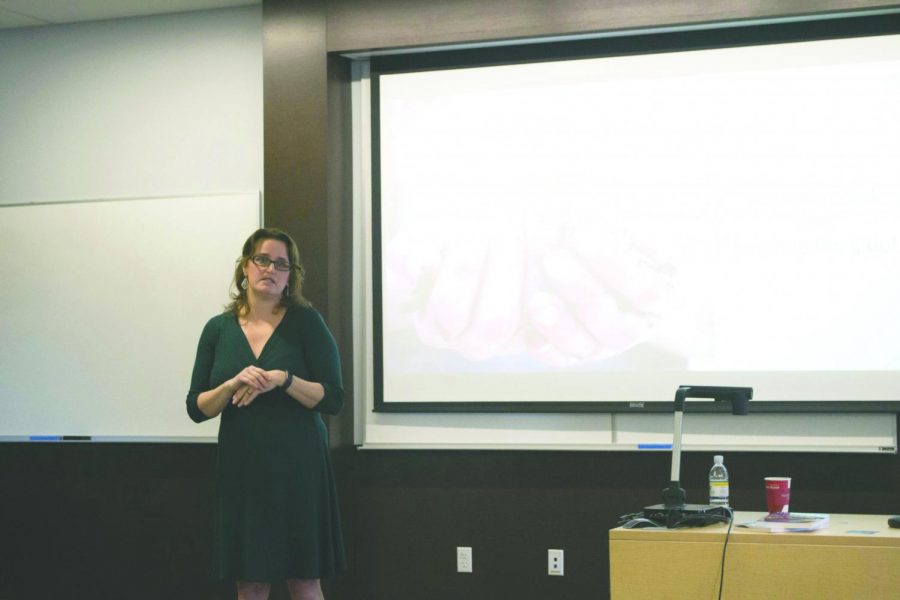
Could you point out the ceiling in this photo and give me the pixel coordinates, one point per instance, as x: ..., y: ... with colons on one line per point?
x: 31, y: 13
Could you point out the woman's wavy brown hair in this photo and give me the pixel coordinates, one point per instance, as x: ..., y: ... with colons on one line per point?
x: 293, y: 292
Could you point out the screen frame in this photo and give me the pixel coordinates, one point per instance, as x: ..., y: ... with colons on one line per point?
x: 726, y: 35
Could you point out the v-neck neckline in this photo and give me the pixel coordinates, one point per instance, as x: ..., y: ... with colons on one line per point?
x: 265, y: 345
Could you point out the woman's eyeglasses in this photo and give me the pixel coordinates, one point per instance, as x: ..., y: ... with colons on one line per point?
x: 262, y: 261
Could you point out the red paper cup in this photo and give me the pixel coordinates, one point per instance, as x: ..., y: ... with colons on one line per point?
x: 778, y: 494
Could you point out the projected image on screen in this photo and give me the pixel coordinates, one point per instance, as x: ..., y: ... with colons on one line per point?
x: 608, y: 229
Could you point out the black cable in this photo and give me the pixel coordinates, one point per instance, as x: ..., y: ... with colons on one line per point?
x: 724, y: 548
x: 701, y: 520
x: 625, y: 518
x: 637, y: 520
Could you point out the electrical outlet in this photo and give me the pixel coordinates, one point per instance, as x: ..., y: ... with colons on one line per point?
x: 463, y: 559
x: 555, y: 562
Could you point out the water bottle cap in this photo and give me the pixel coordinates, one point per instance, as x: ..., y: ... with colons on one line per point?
x: 718, y: 459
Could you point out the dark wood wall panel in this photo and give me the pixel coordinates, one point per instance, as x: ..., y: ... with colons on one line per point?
x: 366, y: 25
x: 295, y: 90
x: 339, y: 263
x: 133, y: 520
x: 413, y: 509
x: 107, y: 521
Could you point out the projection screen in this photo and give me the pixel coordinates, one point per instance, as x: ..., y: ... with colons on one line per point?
x: 606, y: 229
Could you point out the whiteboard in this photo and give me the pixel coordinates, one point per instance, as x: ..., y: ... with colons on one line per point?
x: 103, y: 305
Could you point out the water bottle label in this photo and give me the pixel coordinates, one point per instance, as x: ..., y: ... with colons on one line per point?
x: 718, y: 489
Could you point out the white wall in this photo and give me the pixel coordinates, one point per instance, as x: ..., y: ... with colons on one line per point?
x: 152, y: 106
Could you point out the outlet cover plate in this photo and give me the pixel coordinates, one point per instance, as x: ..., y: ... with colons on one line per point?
x: 555, y: 564
x: 463, y: 559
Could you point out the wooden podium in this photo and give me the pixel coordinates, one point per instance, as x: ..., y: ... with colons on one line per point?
x: 856, y: 556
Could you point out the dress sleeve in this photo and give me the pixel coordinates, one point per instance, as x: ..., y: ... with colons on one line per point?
x: 206, y: 354
x: 324, y: 364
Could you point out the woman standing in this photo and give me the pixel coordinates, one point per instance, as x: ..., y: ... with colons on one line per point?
x: 269, y: 366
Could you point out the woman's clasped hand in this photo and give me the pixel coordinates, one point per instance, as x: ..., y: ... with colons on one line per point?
x: 253, y: 381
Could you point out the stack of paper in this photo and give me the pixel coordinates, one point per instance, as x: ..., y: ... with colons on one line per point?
x: 789, y: 522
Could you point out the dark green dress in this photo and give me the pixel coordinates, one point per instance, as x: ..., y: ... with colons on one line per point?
x: 276, y: 511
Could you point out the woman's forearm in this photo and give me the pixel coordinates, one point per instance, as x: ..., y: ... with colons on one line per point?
x: 307, y: 393
x: 212, y: 402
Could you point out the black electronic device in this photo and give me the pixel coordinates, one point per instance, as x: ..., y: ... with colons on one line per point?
x: 894, y: 522
x: 674, y: 511
x: 685, y: 515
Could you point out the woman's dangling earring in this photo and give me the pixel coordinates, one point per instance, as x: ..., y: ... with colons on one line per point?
x: 245, y: 284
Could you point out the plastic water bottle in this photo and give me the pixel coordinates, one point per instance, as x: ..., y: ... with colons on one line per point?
x: 718, y: 482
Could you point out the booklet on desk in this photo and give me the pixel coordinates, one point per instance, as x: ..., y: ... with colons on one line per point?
x: 790, y: 522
